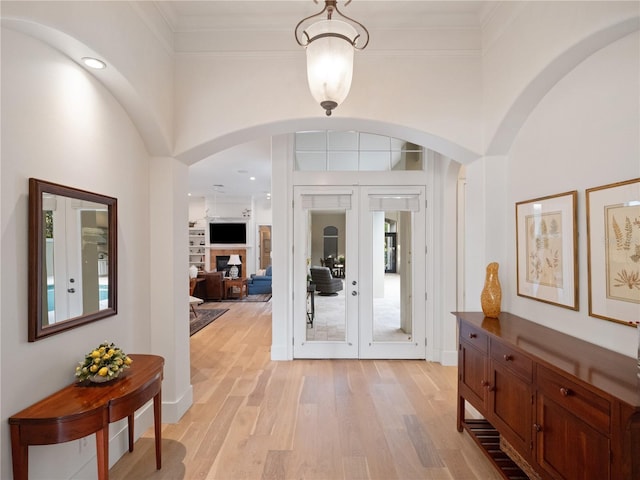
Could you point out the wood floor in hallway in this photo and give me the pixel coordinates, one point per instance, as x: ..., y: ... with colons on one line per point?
x: 256, y: 419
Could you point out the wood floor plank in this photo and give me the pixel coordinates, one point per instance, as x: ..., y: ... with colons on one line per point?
x: 214, y: 439
x: 350, y: 433
x: 256, y: 396
x: 422, y: 443
x: 302, y: 462
x: 355, y: 468
x: 275, y: 465
x: 405, y: 458
x: 235, y: 459
x: 253, y: 418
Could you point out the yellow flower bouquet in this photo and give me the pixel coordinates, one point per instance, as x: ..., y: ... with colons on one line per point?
x: 104, y: 363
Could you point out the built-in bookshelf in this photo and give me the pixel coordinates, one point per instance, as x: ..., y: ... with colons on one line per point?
x: 197, y: 248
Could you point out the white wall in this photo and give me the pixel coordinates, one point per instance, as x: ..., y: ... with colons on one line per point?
x: 60, y: 124
x: 137, y: 52
x: 584, y: 133
x: 169, y: 280
x: 281, y: 232
x: 526, y: 45
x: 445, y: 98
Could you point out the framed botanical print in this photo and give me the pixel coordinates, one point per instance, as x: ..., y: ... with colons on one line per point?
x: 613, y: 251
x: 546, y: 244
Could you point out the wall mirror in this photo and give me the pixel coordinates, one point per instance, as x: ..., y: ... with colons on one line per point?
x: 72, y: 258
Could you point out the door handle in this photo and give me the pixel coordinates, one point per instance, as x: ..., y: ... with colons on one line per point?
x: 71, y: 290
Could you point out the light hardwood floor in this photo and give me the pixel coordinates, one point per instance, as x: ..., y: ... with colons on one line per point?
x: 253, y: 418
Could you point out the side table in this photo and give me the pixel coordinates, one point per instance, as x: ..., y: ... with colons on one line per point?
x: 79, y: 410
x: 232, y: 283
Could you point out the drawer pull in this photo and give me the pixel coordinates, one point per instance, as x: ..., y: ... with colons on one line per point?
x: 537, y: 427
x: 507, y: 358
x: 565, y: 391
x: 472, y: 335
x: 484, y: 383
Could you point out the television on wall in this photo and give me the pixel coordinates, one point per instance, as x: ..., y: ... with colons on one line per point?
x: 227, y: 233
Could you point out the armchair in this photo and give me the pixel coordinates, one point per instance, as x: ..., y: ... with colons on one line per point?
x: 324, y: 281
x: 211, y: 288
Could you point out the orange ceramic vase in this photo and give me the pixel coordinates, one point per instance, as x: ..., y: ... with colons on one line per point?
x: 491, y: 294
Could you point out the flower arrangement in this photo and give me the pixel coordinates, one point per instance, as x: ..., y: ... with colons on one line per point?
x: 103, y: 363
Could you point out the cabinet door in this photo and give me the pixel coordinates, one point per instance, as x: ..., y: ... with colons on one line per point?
x: 472, y: 373
x: 511, y: 407
x: 567, y: 447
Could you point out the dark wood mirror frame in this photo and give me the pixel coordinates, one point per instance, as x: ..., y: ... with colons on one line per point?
x: 37, y: 328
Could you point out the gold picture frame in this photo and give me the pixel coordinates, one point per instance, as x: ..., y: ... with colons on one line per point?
x: 547, y: 249
x: 613, y: 251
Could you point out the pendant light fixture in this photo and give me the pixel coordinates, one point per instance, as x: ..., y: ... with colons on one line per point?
x: 330, y: 44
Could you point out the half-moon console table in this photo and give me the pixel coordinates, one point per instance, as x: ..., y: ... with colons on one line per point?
x: 79, y: 410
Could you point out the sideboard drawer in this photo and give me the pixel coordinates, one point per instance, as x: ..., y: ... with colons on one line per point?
x: 474, y: 336
x: 512, y: 359
x: 585, y: 404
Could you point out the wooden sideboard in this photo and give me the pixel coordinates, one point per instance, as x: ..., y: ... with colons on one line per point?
x: 79, y: 410
x: 568, y: 408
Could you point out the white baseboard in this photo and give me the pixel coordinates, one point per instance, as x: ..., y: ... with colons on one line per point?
x: 172, y: 412
x: 449, y: 358
x: 279, y: 353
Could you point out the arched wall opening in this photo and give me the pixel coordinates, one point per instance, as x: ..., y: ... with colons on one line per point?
x: 539, y: 85
x: 442, y: 173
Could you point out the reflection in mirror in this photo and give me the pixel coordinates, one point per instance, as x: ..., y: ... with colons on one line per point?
x: 72, y: 249
x: 326, y: 303
x: 392, y: 315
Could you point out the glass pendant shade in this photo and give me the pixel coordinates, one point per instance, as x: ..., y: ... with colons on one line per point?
x: 330, y: 61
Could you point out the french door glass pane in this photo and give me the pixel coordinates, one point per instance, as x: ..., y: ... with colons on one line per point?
x: 326, y: 302
x: 392, y: 312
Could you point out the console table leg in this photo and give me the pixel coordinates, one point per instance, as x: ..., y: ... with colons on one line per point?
x: 157, y: 424
x: 130, y: 427
x: 460, y: 418
x: 102, y: 451
x: 19, y: 455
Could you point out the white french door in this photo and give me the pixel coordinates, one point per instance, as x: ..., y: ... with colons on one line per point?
x: 361, y: 311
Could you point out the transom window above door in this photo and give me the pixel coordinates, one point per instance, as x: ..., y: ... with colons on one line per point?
x: 327, y: 150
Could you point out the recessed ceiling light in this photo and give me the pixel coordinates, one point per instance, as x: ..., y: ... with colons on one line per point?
x: 188, y: 194
x: 94, y: 63
x: 252, y: 178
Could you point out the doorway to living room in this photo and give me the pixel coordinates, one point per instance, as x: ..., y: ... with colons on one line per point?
x: 355, y: 309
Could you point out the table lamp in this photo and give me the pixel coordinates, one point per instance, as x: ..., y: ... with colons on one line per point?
x: 234, y: 260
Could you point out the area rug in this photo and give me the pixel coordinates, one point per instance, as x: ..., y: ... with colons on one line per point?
x: 258, y: 297
x: 204, y: 318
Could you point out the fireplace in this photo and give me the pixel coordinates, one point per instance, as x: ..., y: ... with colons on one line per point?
x: 221, y: 265
x: 220, y: 256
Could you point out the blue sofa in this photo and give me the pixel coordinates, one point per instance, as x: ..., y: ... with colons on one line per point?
x: 260, y: 283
